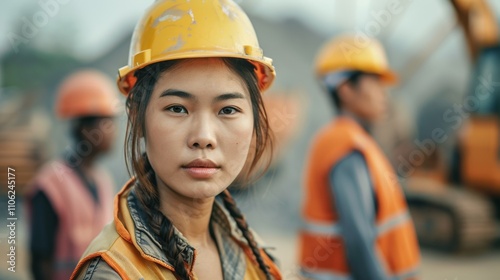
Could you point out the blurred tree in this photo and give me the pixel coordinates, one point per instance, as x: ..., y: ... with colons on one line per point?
x: 31, y: 68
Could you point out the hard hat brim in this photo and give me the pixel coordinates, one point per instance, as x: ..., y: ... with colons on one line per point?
x: 389, y: 77
x: 264, y: 68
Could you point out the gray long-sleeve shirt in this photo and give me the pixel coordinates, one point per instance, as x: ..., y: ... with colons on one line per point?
x: 355, y: 202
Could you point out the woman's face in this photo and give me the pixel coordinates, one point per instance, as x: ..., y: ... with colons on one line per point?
x: 199, y: 126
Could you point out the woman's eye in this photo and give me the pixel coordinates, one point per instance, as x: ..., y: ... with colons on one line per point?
x: 177, y: 109
x: 228, y: 111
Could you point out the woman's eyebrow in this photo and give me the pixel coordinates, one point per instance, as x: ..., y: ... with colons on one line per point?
x: 178, y: 93
x: 230, y: 95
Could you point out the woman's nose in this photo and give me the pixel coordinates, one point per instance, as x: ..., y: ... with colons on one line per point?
x: 202, y: 134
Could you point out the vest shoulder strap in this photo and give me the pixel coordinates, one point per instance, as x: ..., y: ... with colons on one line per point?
x: 122, y: 256
x: 331, y: 144
x: 129, y: 264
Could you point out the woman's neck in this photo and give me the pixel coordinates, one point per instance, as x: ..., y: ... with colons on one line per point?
x: 190, y: 216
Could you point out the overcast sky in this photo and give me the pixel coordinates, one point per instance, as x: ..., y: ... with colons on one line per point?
x: 94, y: 25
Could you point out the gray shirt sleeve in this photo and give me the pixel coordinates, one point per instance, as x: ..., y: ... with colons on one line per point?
x: 98, y: 269
x: 351, y: 184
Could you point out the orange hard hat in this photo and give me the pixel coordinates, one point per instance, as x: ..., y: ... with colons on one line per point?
x: 86, y: 93
x: 349, y: 53
x: 173, y: 29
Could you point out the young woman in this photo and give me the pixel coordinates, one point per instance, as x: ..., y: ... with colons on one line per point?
x: 196, y: 120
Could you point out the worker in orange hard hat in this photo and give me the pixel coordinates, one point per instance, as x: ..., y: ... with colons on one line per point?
x: 357, y: 224
x: 70, y: 199
x: 196, y: 119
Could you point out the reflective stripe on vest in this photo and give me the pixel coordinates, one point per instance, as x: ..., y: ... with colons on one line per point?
x: 335, y: 230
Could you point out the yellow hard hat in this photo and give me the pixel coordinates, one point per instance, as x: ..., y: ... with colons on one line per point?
x: 350, y: 53
x: 86, y: 93
x: 192, y: 29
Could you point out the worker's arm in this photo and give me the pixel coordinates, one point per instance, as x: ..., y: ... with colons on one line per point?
x: 351, y: 185
x: 44, y: 225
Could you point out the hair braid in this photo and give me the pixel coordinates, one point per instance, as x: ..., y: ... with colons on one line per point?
x: 162, y: 226
x: 243, y: 226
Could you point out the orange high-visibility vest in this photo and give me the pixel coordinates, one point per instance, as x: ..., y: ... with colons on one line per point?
x: 322, y: 252
x: 80, y: 217
x: 118, y: 247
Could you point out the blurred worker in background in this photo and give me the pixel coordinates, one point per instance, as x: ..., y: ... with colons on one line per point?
x: 70, y: 200
x: 357, y: 224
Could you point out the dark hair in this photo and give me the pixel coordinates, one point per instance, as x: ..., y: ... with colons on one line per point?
x: 138, y: 163
x: 353, y: 80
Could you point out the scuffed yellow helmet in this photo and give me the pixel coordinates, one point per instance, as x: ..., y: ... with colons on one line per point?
x: 349, y: 53
x: 193, y: 29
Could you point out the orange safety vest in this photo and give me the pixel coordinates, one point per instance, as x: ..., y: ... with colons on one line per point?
x: 80, y: 218
x: 322, y: 252
x: 117, y: 246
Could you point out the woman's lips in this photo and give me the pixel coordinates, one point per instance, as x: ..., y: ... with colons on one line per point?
x: 201, y: 168
x: 201, y: 172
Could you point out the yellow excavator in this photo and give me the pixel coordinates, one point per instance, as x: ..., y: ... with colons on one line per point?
x: 456, y: 206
